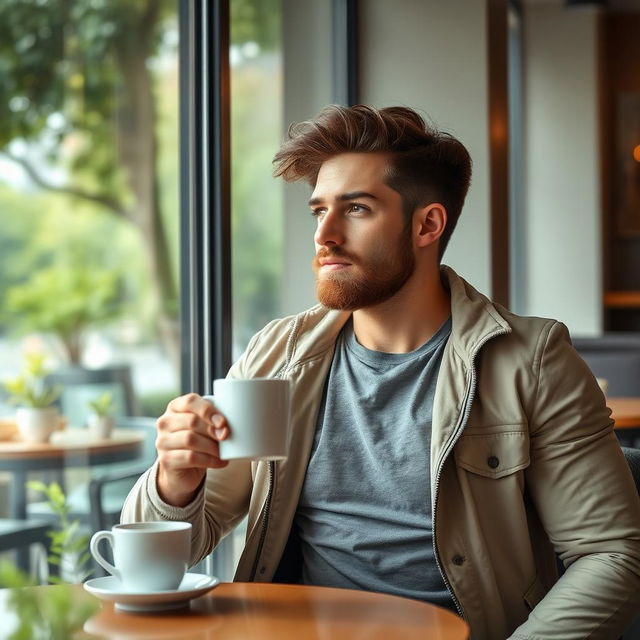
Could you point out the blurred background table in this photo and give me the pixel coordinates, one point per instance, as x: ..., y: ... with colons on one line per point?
x: 625, y: 412
x: 68, y: 448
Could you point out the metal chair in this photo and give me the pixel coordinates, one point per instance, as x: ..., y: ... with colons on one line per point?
x: 632, y: 456
x: 80, y: 386
x: 20, y: 534
x: 97, y: 504
x: 615, y: 357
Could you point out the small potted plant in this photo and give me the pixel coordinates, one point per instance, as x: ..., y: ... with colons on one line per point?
x: 36, y: 417
x: 101, y: 418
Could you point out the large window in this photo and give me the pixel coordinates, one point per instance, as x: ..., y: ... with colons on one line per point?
x: 89, y: 188
x: 89, y: 218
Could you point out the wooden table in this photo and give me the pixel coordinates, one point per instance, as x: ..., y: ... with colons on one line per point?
x: 625, y: 412
x: 260, y: 611
x: 68, y: 448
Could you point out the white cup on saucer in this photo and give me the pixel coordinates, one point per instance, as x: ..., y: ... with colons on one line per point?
x: 148, y: 556
x: 257, y: 411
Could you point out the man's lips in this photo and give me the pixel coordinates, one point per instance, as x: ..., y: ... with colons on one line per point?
x: 332, y: 264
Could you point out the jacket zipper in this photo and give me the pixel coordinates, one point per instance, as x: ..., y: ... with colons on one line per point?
x: 295, y: 327
x: 265, y: 521
x: 462, y: 421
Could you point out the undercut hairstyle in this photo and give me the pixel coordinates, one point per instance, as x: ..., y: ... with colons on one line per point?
x: 425, y: 165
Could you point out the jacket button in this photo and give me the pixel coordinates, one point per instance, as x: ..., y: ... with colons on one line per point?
x: 493, y: 462
x: 458, y: 560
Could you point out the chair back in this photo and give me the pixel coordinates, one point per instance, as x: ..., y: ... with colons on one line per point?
x: 615, y: 357
x: 632, y: 456
x: 80, y: 386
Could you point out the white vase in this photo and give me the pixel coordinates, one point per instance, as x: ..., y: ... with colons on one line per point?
x: 71, y: 571
x: 100, y: 427
x: 36, y: 424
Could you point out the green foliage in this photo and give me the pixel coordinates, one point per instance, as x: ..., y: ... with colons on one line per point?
x: 60, y: 58
x: 54, y: 614
x: 155, y: 403
x: 256, y: 21
x: 65, y: 300
x: 67, y: 543
x: 13, y: 578
x: 102, y: 405
x: 29, y: 388
x: 79, y: 79
x: 70, y: 237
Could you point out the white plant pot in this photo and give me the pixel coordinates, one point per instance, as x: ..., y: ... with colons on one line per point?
x: 100, y: 427
x: 70, y: 569
x: 36, y: 424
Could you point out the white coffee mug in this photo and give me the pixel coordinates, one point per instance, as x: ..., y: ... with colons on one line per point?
x: 257, y: 411
x: 147, y: 556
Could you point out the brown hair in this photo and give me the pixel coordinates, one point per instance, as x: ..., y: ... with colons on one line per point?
x: 426, y: 165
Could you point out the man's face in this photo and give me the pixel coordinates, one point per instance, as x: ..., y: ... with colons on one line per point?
x: 364, y: 253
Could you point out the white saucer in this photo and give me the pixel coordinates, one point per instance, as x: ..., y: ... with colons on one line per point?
x: 110, y: 589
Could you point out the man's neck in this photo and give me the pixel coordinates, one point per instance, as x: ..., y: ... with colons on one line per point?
x: 407, y: 320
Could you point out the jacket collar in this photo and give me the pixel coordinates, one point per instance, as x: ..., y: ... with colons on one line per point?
x: 475, y: 319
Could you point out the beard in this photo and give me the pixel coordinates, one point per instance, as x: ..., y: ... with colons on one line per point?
x: 368, y: 281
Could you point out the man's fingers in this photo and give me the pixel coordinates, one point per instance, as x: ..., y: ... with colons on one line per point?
x: 182, y: 422
x: 217, y: 428
x: 186, y: 439
x: 192, y: 403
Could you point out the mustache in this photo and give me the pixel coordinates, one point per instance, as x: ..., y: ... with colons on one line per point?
x: 334, y: 252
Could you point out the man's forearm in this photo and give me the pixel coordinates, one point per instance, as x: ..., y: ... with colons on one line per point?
x: 596, y: 598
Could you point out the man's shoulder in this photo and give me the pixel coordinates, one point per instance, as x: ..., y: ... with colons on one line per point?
x: 290, y: 338
x: 528, y: 325
x: 304, y: 321
x: 477, y: 316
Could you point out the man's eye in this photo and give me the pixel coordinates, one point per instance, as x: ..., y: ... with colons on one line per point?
x: 316, y: 213
x: 357, y: 208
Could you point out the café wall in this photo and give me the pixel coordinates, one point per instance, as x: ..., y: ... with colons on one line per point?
x: 561, y: 258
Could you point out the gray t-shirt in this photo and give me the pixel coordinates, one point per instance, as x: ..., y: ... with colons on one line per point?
x: 364, y: 515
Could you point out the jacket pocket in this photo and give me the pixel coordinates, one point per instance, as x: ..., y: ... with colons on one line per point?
x: 493, y: 455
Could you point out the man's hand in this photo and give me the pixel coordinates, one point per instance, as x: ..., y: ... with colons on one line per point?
x: 187, y: 444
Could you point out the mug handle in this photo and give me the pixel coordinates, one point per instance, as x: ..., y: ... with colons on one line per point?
x: 95, y: 552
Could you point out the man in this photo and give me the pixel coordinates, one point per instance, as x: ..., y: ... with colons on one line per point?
x: 443, y: 448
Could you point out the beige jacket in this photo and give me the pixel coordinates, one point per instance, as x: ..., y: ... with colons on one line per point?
x: 523, y: 461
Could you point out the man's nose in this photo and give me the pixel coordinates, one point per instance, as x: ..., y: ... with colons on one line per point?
x: 329, y: 230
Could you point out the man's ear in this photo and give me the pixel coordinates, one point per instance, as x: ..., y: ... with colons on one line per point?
x: 429, y: 223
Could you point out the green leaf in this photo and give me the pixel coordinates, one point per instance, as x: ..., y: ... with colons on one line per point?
x: 36, y: 485
x: 102, y: 405
x: 12, y: 577
x: 56, y: 495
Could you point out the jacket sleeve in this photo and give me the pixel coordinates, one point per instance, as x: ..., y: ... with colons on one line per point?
x: 584, y: 493
x: 219, y: 506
